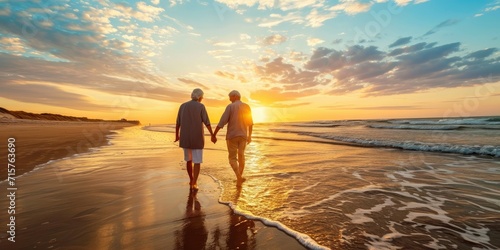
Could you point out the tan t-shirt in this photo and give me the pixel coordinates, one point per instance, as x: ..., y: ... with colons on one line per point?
x: 238, y: 116
x: 191, y: 117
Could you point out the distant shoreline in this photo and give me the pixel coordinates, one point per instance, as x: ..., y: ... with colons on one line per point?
x: 9, y: 116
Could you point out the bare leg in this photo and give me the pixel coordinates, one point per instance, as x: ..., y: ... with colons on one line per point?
x: 234, y: 166
x: 241, y: 161
x: 232, y: 148
x: 196, y: 174
x: 241, y: 156
x: 189, y: 168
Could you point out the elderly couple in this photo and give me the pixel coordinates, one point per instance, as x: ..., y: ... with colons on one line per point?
x: 190, y: 119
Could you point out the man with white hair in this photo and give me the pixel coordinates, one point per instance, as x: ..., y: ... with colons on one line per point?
x: 238, y: 116
x: 190, y: 119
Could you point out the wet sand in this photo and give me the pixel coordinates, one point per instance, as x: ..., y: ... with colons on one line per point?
x: 38, y: 142
x: 133, y: 194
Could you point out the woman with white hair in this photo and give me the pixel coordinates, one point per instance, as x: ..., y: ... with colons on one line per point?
x: 190, y: 119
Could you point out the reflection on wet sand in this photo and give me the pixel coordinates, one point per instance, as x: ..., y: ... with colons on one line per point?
x: 194, y: 233
x: 240, y: 227
x: 239, y: 234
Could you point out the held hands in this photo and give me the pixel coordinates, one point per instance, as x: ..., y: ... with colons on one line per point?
x: 214, y: 139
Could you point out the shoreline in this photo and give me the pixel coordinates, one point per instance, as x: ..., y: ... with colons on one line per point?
x: 39, y: 142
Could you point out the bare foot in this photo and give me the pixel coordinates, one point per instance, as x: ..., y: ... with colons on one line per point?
x: 194, y: 187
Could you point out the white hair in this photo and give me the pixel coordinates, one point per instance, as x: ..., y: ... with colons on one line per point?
x: 197, y: 93
x: 235, y: 93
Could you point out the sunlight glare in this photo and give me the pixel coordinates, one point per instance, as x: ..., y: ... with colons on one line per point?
x: 259, y: 115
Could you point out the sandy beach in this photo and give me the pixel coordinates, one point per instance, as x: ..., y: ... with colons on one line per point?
x: 41, y: 141
x: 132, y: 194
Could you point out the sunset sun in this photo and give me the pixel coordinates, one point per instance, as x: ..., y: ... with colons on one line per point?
x: 259, y: 115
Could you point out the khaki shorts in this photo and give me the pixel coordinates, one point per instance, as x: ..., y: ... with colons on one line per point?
x: 195, y: 155
x: 236, y: 149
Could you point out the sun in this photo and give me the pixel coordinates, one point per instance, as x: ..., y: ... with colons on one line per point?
x: 259, y: 114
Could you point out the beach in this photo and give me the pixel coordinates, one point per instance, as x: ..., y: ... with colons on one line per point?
x: 354, y: 184
x: 40, y: 141
x: 129, y: 191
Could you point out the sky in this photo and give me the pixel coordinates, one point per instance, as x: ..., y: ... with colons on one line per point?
x: 291, y: 60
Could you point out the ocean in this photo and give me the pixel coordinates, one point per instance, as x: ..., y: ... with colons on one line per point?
x: 429, y: 183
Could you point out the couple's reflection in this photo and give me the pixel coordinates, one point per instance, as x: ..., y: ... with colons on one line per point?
x: 240, y: 228
x: 194, y: 232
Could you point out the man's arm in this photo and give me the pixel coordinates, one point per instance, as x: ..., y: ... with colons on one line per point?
x: 249, y: 138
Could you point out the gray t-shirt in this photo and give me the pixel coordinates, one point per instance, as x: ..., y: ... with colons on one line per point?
x: 191, y: 117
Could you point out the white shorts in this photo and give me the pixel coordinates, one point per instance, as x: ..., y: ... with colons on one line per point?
x: 195, y: 155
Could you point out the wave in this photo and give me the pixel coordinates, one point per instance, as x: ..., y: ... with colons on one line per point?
x: 450, y: 121
x: 315, y: 125
x: 494, y: 119
x: 304, y: 239
x: 487, y: 150
x: 417, y: 127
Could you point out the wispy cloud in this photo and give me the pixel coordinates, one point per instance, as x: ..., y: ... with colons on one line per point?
x: 491, y: 7
x: 273, y: 39
x: 352, y: 7
x: 447, y: 23
x: 400, y: 41
x: 193, y: 83
x: 314, y: 41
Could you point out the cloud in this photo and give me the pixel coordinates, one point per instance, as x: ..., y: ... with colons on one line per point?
x: 444, y: 24
x: 494, y: 6
x: 48, y: 95
x: 316, y: 18
x: 193, y: 83
x: 283, y: 5
x: 276, y: 19
x: 245, y: 36
x: 314, y: 41
x: 228, y: 75
x: 400, y: 41
x: 415, y: 68
x: 273, y: 40
x: 481, y: 54
x: 224, y: 74
x: 410, y: 49
x: 97, y: 77
x: 288, y: 76
x: 352, y: 7
x: 224, y: 44
x: 87, y: 57
x: 14, y: 45
x: 402, y: 2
